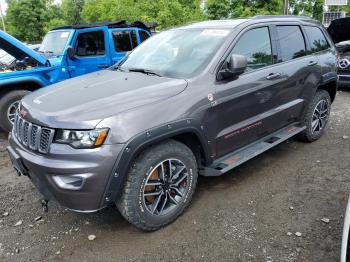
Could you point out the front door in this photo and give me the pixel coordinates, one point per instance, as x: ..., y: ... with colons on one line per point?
x: 91, y: 51
x: 255, y: 104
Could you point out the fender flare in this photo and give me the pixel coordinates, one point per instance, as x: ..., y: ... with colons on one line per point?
x: 18, y: 80
x: 140, y: 142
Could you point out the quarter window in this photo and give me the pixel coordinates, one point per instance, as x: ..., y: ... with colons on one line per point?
x: 91, y: 44
x: 317, y: 39
x: 255, y: 45
x: 291, y: 41
x: 124, y: 41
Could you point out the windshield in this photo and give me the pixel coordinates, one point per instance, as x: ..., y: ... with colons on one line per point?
x: 176, y: 53
x: 54, y: 42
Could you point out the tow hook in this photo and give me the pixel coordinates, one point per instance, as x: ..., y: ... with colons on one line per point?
x: 44, y: 205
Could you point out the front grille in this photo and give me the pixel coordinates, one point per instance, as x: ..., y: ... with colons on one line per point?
x: 37, y: 138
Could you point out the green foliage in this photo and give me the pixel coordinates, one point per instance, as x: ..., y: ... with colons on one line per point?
x: 313, y: 8
x: 71, y: 10
x: 29, y: 20
x: 166, y: 13
x: 26, y: 19
x: 221, y: 9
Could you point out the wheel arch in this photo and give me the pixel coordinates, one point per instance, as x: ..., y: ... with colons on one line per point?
x: 22, y: 84
x: 184, y: 131
x: 331, y: 87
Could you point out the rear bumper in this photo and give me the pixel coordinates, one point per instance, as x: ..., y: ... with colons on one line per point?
x: 95, y: 165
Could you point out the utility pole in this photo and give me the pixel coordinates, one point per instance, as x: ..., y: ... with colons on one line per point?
x: 2, y: 18
x: 285, y: 7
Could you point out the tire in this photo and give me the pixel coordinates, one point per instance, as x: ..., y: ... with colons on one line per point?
x: 310, y: 134
x: 5, y: 102
x: 137, y: 208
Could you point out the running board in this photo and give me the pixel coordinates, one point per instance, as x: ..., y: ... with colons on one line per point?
x: 232, y: 160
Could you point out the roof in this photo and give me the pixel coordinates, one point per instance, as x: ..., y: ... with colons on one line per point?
x: 116, y: 24
x: 230, y: 23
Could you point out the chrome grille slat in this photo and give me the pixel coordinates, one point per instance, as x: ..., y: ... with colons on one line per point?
x: 35, y: 137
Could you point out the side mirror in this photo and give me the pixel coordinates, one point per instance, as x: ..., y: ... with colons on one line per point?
x: 236, y: 66
x: 70, y: 53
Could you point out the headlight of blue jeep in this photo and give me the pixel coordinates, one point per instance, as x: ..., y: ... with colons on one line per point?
x: 81, y: 138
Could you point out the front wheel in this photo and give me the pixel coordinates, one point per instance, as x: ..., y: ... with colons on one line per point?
x: 316, y: 117
x: 8, y: 106
x: 159, y: 186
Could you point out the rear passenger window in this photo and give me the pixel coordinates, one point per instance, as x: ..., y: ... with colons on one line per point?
x: 143, y: 36
x: 255, y: 45
x: 317, y: 39
x: 291, y: 41
x: 90, y: 44
x: 124, y: 41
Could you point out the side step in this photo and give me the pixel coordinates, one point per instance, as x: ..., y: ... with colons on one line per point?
x: 232, y: 160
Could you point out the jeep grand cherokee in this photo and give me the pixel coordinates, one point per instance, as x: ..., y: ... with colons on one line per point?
x: 195, y: 100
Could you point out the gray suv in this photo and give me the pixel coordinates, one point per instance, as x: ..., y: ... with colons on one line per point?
x: 195, y: 100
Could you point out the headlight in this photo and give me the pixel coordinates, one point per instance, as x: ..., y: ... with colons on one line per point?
x: 81, y: 138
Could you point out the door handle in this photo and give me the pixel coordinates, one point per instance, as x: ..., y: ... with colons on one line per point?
x: 273, y: 76
x: 312, y: 63
x: 102, y: 66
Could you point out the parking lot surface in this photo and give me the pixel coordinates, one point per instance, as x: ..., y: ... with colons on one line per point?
x: 269, y: 209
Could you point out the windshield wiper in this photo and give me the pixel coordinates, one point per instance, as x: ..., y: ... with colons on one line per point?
x: 117, y: 67
x: 144, y: 71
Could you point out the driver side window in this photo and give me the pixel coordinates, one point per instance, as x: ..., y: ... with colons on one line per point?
x: 255, y: 45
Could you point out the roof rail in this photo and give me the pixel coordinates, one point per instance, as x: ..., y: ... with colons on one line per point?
x: 282, y: 16
x: 117, y: 24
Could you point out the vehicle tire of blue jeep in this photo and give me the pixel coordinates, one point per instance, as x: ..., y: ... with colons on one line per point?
x: 316, y: 117
x: 159, y: 186
x: 8, y: 106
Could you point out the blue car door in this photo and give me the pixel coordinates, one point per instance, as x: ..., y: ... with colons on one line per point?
x: 124, y: 40
x: 91, y: 49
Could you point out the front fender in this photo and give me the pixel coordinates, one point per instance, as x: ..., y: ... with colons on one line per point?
x: 139, y: 143
x: 23, y: 79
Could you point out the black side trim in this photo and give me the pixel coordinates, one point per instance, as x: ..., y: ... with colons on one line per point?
x: 138, y: 143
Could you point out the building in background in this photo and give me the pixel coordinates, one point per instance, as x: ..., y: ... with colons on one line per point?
x: 329, y: 16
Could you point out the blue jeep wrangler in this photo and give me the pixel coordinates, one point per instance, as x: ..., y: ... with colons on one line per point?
x: 65, y: 52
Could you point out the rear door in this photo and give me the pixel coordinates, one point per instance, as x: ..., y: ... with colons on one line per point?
x: 92, y: 51
x: 321, y: 48
x: 298, y: 66
x: 123, y: 41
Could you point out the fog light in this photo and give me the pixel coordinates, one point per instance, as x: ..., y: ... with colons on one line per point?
x: 71, y: 182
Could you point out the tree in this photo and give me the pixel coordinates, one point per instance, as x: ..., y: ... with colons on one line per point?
x: 71, y: 10
x: 26, y: 19
x: 220, y: 9
x: 313, y: 8
x: 166, y: 13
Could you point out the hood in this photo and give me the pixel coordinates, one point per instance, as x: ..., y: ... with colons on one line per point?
x: 339, y: 30
x: 82, y: 102
x: 17, y: 49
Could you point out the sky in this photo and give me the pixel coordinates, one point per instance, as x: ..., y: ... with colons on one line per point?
x: 3, y: 5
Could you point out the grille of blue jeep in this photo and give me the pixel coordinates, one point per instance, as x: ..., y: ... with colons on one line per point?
x: 35, y: 137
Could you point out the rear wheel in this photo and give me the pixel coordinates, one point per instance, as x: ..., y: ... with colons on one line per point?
x: 8, y: 107
x: 160, y: 186
x: 316, y: 117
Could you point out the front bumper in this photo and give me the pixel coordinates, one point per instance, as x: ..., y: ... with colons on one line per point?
x: 344, y: 80
x: 95, y: 165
